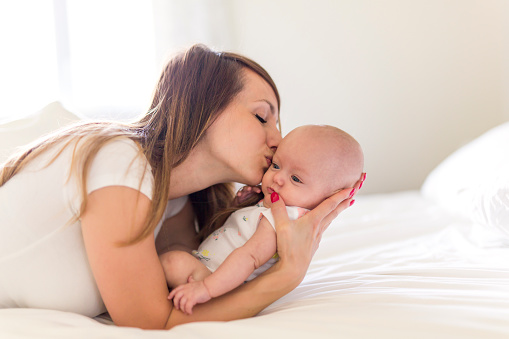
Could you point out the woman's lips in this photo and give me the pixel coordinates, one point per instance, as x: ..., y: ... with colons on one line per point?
x: 269, y: 161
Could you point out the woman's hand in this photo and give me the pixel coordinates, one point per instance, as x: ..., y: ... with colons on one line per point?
x: 298, y: 240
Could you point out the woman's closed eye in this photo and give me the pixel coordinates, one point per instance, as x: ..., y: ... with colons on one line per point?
x: 262, y: 120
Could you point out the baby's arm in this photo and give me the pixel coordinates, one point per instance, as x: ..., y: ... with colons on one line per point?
x: 236, y: 268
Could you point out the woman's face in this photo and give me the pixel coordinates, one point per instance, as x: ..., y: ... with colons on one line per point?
x: 245, y: 135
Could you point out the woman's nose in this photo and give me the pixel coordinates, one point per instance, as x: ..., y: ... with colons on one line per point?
x: 273, y: 138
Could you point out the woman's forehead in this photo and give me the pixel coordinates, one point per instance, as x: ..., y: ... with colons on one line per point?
x: 257, y: 89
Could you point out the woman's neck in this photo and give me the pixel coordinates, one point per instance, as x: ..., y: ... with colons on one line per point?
x: 197, y: 172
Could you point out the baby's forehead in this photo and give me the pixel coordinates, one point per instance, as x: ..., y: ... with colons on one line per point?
x: 311, y: 159
x: 330, y: 154
x: 307, y: 144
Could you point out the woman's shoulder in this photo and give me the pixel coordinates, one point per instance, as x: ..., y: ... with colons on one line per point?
x: 125, y: 146
x: 121, y: 162
x: 121, y: 152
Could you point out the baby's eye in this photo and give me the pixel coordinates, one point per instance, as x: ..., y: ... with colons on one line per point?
x: 294, y: 178
x: 262, y: 120
x: 275, y: 166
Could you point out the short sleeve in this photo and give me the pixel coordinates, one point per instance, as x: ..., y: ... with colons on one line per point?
x: 293, y: 214
x: 120, y: 163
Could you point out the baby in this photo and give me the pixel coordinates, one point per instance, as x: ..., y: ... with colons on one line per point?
x: 311, y: 163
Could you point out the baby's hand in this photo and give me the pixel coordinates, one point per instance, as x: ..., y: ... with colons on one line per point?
x: 187, y: 295
x: 246, y: 192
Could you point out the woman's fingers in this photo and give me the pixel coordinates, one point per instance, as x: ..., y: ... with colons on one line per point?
x: 345, y: 201
x: 358, y: 184
x: 330, y: 207
x: 362, y: 179
x: 279, y: 210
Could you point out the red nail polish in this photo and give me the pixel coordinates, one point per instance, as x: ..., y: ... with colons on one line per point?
x: 364, y: 178
x: 351, y: 202
x: 360, y: 185
x: 351, y: 194
x: 274, y: 197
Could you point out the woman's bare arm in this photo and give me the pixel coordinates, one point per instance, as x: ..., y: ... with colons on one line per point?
x: 130, y: 278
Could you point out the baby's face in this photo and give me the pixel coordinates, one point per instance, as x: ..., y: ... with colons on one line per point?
x: 300, y: 173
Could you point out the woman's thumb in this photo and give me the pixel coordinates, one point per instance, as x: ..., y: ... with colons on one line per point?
x: 278, y: 209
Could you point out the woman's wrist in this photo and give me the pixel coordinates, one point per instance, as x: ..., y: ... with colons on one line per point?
x: 293, y: 273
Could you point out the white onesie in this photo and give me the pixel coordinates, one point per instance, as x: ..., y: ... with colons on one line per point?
x: 235, y: 232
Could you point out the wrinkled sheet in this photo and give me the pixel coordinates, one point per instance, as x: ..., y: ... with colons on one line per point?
x: 392, y: 266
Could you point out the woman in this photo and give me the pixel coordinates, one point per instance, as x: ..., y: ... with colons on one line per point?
x: 80, y: 208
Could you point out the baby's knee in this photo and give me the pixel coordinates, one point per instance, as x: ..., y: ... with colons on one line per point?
x: 177, y: 266
x: 175, y: 261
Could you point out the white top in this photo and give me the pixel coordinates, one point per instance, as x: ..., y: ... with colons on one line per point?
x: 43, y: 263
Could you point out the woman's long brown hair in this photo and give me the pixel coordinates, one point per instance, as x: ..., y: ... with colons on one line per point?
x: 193, y: 90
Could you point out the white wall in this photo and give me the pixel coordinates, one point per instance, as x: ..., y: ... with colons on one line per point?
x: 411, y: 80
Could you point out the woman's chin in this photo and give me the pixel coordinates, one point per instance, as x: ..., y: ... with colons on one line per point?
x: 252, y: 180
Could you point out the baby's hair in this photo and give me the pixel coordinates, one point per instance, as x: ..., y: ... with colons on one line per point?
x: 345, y: 151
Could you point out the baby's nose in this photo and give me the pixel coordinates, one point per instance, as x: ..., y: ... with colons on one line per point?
x: 278, y: 179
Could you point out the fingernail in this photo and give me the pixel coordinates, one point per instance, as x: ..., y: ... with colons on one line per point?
x: 351, y: 202
x: 274, y: 197
x: 364, y: 178
x: 360, y: 185
x: 352, y: 193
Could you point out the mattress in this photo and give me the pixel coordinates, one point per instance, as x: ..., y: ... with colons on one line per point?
x: 392, y: 266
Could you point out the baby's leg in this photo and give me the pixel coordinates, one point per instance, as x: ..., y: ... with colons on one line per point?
x: 178, y: 266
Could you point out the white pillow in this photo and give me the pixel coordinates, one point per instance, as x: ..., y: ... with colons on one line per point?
x: 474, y: 180
x: 21, y: 132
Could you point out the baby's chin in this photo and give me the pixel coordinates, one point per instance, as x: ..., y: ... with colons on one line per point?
x: 266, y: 201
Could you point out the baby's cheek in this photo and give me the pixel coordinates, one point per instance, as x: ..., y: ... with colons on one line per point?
x: 310, y: 199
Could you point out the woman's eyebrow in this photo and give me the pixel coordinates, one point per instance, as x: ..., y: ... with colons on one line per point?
x: 271, y: 106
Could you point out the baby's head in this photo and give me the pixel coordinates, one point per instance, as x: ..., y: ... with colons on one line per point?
x: 311, y: 163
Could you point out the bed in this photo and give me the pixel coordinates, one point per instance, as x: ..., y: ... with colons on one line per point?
x: 428, y: 263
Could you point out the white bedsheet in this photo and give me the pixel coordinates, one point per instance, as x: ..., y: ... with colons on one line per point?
x: 392, y: 266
